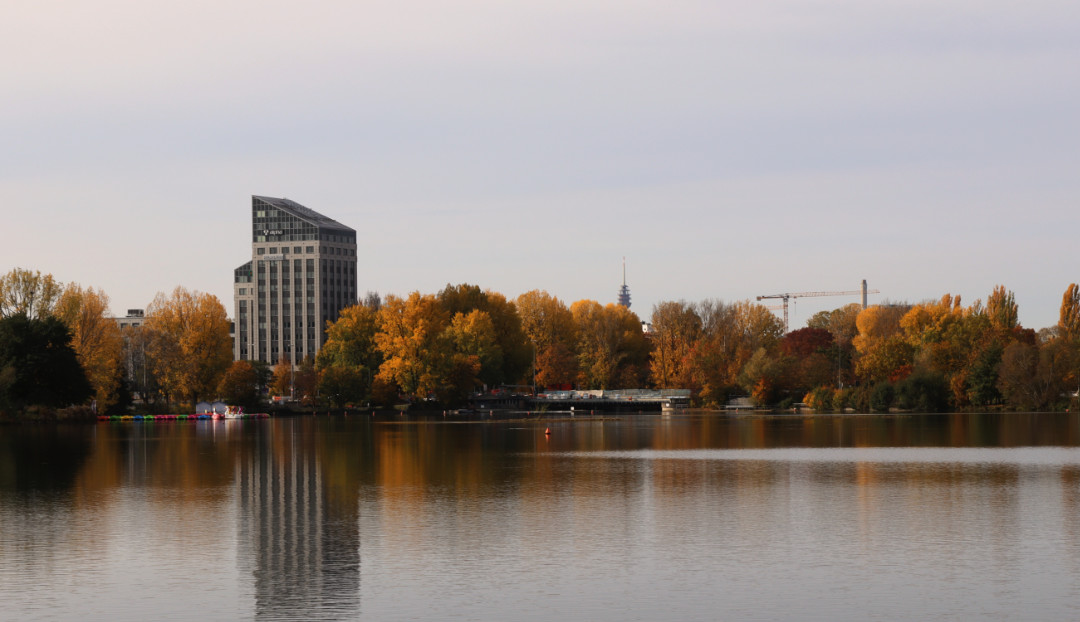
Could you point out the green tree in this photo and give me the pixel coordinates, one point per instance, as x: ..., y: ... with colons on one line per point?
x: 881, y: 396
x: 344, y: 384
x: 983, y: 377
x: 764, y: 376
x: 924, y: 391
x: 38, y: 366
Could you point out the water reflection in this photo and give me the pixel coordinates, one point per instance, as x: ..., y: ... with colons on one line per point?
x: 630, y: 518
x: 299, y: 544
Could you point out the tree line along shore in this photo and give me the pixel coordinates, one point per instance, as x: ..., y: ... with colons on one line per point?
x: 62, y: 356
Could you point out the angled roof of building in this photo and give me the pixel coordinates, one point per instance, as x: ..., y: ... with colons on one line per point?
x: 304, y: 213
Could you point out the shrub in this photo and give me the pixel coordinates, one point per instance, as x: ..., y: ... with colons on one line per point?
x: 881, y: 397
x: 820, y: 399
x: 923, y: 392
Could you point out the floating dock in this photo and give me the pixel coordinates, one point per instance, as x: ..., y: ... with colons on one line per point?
x: 191, y: 417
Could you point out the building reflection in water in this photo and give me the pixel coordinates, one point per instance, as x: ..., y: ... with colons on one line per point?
x: 301, y: 547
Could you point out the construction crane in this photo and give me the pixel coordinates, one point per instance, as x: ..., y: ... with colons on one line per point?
x: 789, y: 295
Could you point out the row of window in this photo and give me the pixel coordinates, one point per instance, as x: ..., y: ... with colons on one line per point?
x: 296, y: 250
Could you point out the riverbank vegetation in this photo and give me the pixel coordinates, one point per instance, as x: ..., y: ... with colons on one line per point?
x: 63, y: 357
x: 58, y: 347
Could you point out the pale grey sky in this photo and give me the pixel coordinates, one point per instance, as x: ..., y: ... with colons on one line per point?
x: 726, y: 149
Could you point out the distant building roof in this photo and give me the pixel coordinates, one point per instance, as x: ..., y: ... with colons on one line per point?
x: 304, y: 213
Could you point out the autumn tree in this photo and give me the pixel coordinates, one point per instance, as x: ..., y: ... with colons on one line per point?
x: 549, y: 327
x: 613, y: 352
x: 350, y: 345
x: 240, y: 385
x: 945, y: 336
x: 884, y: 351
x: 189, y: 343
x: 514, y: 353
x: 556, y: 366
x: 711, y: 363
x: 96, y: 339
x: 676, y: 328
x: 764, y: 376
x: 306, y: 381
x: 730, y: 335
x: 473, y: 335
x: 812, y: 354
x: 413, y: 344
x: 1001, y: 309
x: 1032, y: 376
x: 282, y: 381
x: 841, y: 323
x: 1069, y: 327
x: 136, y: 344
x: 350, y: 340
x: 1069, y: 321
x: 29, y: 293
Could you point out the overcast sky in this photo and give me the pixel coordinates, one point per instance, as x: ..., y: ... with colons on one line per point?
x: 726, y: 149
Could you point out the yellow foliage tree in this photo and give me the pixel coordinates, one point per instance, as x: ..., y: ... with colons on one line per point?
x: 96, y: 339
x: 676, y: 327
x: 29, y: 293
x: 189, y: 343
x: 612, y: 351
x: 515, y: 353
x: 473, y: 334
x: 1002, y: 310
x: 282, y: 382
x: 1069, y: 321
x: 350, y: 340
x: 884, y: 350
x: 549, y: 326
x: 413, y: 344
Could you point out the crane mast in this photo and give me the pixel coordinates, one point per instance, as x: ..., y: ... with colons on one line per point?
x: 786, y: 296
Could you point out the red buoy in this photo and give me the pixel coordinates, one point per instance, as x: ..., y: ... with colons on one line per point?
x: 547, y: 431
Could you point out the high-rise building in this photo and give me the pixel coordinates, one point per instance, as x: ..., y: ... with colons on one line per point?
x: 302, y: 273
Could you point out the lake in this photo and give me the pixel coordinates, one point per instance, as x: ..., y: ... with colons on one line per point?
x: 692, y: 516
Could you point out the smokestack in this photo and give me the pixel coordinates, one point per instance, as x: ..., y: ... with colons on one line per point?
x: 864, y: 293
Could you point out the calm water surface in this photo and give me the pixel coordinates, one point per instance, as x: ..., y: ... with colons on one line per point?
x: 695, y: 517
